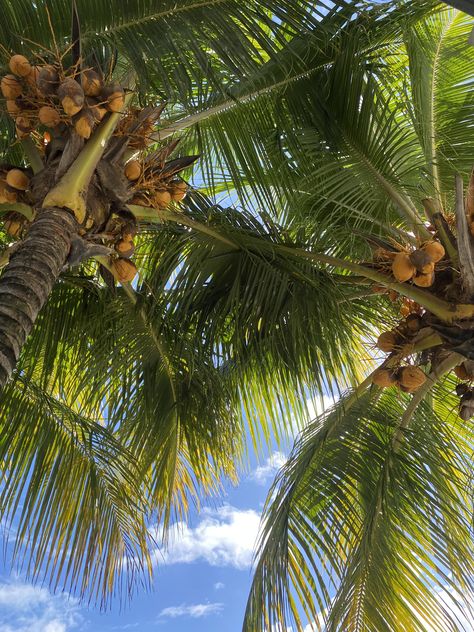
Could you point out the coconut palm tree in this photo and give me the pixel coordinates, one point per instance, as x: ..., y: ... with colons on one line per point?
x: 340, y: 128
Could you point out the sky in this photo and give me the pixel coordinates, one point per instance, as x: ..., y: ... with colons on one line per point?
x: 201, y: 582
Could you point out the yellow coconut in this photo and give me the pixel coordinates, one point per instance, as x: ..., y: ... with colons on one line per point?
x: 124, y: 270
x: 10, y: 87
x: 383, y: 378
x: 133, y: 170
x: 49, y: 116
x: 71, y: 96
x: 435, y: 250
x: 411, y: 378
x: 424, y: 280
x: 402, y: 268
x: 19, y: 65
x: 387, y: 341
x: 428, y: 268
x: 17, y: 179
x: 114, y: 96
x: 162, y: 199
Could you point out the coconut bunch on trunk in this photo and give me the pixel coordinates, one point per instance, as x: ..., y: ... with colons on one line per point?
x: 59, y: 108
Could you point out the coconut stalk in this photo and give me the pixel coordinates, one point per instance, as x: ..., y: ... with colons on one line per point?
x: 465, y: 243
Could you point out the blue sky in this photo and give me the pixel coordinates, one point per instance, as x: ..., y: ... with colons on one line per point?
x: 201, y: 583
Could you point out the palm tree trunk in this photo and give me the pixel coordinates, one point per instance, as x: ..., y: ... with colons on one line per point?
x: 28, y: 279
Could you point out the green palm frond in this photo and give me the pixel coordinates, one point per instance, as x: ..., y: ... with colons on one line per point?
x: 393, y: 492
x: 71, y: 491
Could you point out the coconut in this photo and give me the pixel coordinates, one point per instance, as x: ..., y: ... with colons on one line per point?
x: 32, y: 77
x: 114, y: 95
x: 10, y: 87
x: 125, y: 247
x: 413, y: 322
x: 402, y: 268
x: 387, y: 341
x: 97, y: 109
x: 420, y: 259
x: 133, y: 170
x: 124, y: 270
x: 13, y: 108
x: 7, y: 195
x: 424, y: 280
x: 19, y: 65
x: 71, y: 96
x: 91, y: 83
x: 23, y: 126
x: 434, y: 250
x: 47, y: 80
x: 162, y: 199
x: 178, y: 191
x: 13, y: 227
x: 411, y: 378
x: 383, y: 378
x: 49, y: 116
x: 84, y: 124
x: 17, y: 179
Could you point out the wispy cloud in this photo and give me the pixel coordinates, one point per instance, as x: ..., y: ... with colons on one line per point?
x: 266, y: 472
x: 25, y: 607
x: 223, y: 537
x: 194, y: 611
x: 219, y: 586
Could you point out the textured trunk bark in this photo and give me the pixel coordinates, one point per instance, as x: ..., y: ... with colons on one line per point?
x: 28, y: 280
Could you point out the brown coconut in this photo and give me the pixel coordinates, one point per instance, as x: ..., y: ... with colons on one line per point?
x: 162, y: 199
x: 10, y: 86
x: 114, y: 96
x: 434, y: 250
x: 19, y: 65
x: 411, y: 378
x: 13, y: 227
x: 460, y: 372
x: 413, y: 322
x: 24, y: 126
x: 422, y: 261
x: 13, y: 108
x: 7, y: 195
x: 125, y: 247
x: 71, y: 96
x: 133, y: 170
x: 17, y: 179
x: 124, y: 270
x: 402, y: 268
x: 49, y: 116
x: 178, y: 191
x: 383, y: 378
x: 424, y: 280
x: 97, y: 109
x: 84, y: 123
x: 91, y: 83
x: 387, y: 341
x: 47, y: 80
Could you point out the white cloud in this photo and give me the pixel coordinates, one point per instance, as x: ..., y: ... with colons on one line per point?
x: 195, y: 611
x: 223, y: 537
x: 266, y: 472
x: 25, y: 607
x: 219, y: 586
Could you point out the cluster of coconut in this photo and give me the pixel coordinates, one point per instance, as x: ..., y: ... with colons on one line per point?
x: 14, y: 184
x: 407, y: 378
x: 150, y: 189
x: 49, y: 95
x: 418, y: 265
x: 119, y: 233
x: 465, y: 372
x: 390, y: 341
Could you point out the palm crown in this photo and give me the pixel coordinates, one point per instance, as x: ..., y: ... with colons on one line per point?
x: 340, y: 127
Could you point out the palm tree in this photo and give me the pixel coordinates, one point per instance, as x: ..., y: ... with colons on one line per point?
x: 341, y: 127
